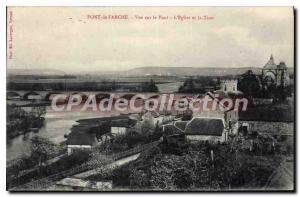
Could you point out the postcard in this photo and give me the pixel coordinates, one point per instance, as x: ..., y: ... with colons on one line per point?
x: 194, y: 99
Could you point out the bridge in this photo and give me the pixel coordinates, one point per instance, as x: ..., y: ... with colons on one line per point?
x: 40, y: 184
x: 48, y: 95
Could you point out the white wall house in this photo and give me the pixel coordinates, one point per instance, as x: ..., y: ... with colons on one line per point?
x: 80, y: 141
x: 215, y: 109
x: 229, y: 85
x: 118, y: 130
x: 121, y: 126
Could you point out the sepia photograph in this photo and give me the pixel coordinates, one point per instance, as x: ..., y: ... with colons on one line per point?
x: 150, y: 99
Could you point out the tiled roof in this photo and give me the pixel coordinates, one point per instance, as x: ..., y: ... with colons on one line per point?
x: 127, y: 123
x: 181, y: 124
x: 270, y: 64
x: 205, y: 126
x: 270, y: 113
x: 170, y: 129
x: 80, y: 138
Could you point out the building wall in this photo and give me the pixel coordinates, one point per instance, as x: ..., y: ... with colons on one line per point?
x: 274, y: 128
x: 277, y: 74
x: 262, y: 101
x: 208, y: 114
x: 159, y: 120
x: 229, y: 85
x: 232, y: 116
x: 214, y: 139
x: 118, y: 130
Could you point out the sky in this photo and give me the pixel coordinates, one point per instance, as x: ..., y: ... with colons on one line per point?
x: 64, y: 38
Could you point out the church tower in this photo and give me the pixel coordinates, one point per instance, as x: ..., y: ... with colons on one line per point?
x: 274, y: 75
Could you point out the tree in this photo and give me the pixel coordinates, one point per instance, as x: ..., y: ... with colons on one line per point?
x: 38, y: 111
x: 249, y: 84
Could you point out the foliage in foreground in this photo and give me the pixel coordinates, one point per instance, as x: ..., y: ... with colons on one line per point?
x: 196, y: 170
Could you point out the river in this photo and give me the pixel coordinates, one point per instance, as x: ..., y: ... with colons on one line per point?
x: 57, y: 124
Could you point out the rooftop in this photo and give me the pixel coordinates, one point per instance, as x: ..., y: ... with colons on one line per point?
x: 127, y: 123
x: 270, y: 114
x: 152, y: 113
x: 181, y: 124
x: 81, y: 138
x: 170, y: 129
x: 205, y: 126
x: 270, y: 64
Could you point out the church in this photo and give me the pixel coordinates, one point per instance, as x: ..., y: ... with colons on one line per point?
x: 274, y: 75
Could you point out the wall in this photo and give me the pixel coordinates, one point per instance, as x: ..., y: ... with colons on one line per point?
x: 118, y: 130
x: 275, y: 128
x: 192, y: 138
x: 262, y: 101
x: 229, y: 85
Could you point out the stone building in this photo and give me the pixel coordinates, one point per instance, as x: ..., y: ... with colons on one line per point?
x: 81, y: 141
x: 220, y: 110
x: 274, y: 75
x: 229, y: 85
x: 267, y: 120
x: 212, y: 130
x: 121, y: 126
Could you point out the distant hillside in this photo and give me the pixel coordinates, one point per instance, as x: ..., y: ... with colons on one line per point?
x: 143, y: 71
x: 34, y: 72
x: 190, y: 71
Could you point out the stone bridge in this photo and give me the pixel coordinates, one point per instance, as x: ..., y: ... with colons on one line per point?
x: 47, y: 95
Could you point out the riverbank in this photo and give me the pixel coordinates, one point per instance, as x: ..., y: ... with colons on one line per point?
x: 20, y: 121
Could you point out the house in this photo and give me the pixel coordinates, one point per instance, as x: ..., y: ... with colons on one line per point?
x: 171, y: 129
x: 153, y: 117
x: 173, y: 137
x: 217, y: 109
x: 156, y: 118
x: 80, y: 141
x: 121, y: 126
x: 229, y: 85
x: 273, y: 120
x: 197, y: 129
x: 206, y: 129
x: 181, y: 124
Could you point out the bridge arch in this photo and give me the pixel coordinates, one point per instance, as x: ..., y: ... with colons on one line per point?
x: 32, y: 96
x: 84, y: 97
x: 13, y: 95
x: 50, y: 94
x: 102, y: 96
x: 127, y: 96
x: 156, y: 96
